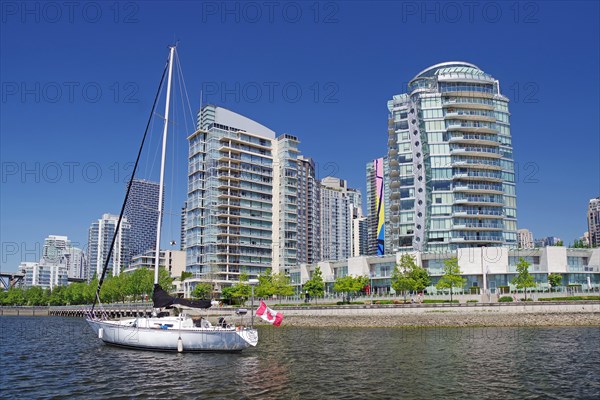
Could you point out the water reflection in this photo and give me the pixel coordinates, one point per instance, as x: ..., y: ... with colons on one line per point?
x: 61, y: 357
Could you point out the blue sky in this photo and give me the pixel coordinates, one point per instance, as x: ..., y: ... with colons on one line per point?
x: 78, y: 81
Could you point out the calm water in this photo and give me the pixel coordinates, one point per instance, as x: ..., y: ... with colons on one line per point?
x: 51, y: 357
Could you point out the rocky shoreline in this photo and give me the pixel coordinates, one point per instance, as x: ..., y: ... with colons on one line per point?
x: 447, y: 318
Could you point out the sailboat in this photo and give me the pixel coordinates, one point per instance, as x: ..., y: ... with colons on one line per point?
x: 163, y: 331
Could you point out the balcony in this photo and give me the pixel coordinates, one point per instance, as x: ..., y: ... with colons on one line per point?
x: 468, y: 117
x: 491, y: 152
x: 477, y: 187
x: 478, y: 213
x: 229, y: 184
x: 476, y: 239
x: 489, y: 164
x: 468, y: 174
x: 228, y: 166
x: 229, y: 157
x: 468, y: 94
x: 468, y: 138
x: 478, y: 226
x: 228, y: 194
x: 472, y: 104
x: 228, y: 222
x: 489, y: 200
x: 232, y: 148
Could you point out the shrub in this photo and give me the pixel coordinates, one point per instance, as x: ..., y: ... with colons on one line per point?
x: 505, y: 299
x: 439, y: 301
x: 472, y: 301
x: 571, y: 298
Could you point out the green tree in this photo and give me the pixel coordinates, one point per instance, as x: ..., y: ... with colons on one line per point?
x: 420, y: 276
x: 202, y: 290
x: 315, y: 286
x: 282, y: 285
x: 89, y: 291
x: 451, y: 277
x: 74, y: 293
x: 185, y: 275
x: 15, y: 297
x: 402, y: 281
x: 164, y: 279
x: 240, y: 290
x: 227, y: 293
x: 554, y: 280
x: 578, y: 244
x: 349, y: 284
x: 523, y: 280
x: 36, y: 296
x: 265, y: 287
x: 408, y: 276
x: 138, y: 283
x: 57, y: 297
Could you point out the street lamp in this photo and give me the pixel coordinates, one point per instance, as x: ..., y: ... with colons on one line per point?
x: 252, y: 283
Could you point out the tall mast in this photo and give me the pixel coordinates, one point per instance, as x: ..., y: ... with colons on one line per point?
x: 162, y: 166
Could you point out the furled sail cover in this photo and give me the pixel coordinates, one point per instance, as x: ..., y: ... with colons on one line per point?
x: 162, y: 299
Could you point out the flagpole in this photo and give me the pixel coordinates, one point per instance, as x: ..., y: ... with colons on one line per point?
x: 252, y: 283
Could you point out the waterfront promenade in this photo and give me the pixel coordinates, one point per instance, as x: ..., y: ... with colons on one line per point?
x: 555, y: 313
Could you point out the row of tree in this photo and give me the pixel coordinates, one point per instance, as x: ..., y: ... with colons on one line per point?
x: 407, y: 277
x: 137, y: 285
x: 268, y: 285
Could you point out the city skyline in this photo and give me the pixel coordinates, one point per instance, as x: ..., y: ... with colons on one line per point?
x: 80, y: 167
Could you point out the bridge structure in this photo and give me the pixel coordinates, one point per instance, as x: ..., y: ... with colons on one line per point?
x: 10, y: 279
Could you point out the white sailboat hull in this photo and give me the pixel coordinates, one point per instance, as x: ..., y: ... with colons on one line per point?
x: 156, y: 334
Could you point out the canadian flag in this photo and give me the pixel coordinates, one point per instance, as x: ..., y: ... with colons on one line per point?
x: 269, y: 315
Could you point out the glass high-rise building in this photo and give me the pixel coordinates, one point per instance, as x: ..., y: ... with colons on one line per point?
x: 309, y: 213
x: 100, y: 236
x: 336, y: 218
x: 451, y: 170
x: 593, y: 217
x: 230, y: 194
x: 141, y: 211
x: 285, y: 203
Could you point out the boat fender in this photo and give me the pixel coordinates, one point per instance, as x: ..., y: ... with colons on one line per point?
x: 179, y: 345
x: 100, y: 333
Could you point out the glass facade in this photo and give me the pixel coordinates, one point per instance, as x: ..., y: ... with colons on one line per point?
x: 451, y: 171
x: 309, y: 213
x: 229, y: 212
x: 141, y: 211
x: 100, y: 236
x: 285, y: 208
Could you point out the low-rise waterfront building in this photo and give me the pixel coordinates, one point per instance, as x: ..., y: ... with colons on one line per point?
x: 172, y: 260
x: 485, y: 268
x: 44, y: 274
